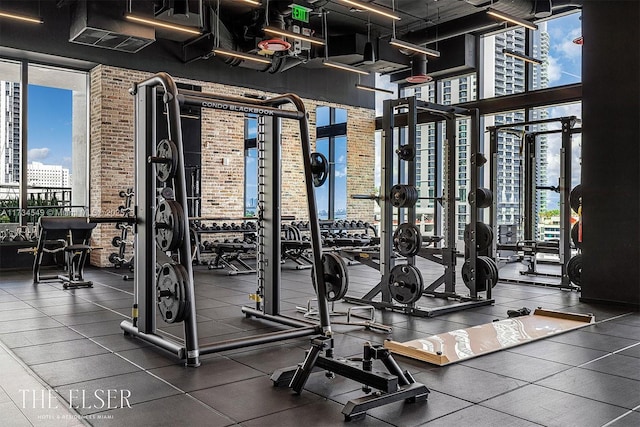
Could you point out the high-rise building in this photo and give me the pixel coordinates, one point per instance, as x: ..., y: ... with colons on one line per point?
x: 9, y: 132
x: 53, y: 176
x: 503, y: 75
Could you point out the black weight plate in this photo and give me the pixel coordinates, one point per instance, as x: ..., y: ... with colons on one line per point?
x: 403, y: 196
x: 114, y: 259
x: 168, y: 150
x: 169, y: 224
x: 486, y: 271
x: 182, y: 307
x: 407, y: 239
x: 574, y: 269
x: 115, y: 242
x: 319, y: 169
x: 575, y: 231
x: 171, y: 292
x: 483, y: 197
x: 336, y: 277
x: 405, y: 284
x: 406, y: 152
x: 484, y: 235
x: 575, y: 198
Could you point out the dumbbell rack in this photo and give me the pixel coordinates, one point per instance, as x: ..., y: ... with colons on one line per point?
x: 198, y: 229
x: 118, y: 259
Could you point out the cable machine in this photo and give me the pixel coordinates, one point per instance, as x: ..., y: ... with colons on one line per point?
x: 530, y: 242
x: 403, y: 283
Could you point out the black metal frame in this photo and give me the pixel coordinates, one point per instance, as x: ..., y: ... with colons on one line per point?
x: 444, y: 255
x: 143, y: 324
x: 567, y: 129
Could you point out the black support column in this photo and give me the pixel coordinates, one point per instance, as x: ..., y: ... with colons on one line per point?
x: 611, y: 152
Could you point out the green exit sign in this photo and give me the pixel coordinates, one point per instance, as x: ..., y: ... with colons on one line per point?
x: 300, y: 13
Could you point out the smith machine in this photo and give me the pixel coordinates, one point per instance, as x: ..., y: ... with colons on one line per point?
x: 529, y: 244
x: 401, y: 285
x: 163, y: 272
x: 163, y: 268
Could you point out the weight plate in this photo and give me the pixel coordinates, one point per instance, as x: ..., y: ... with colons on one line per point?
x: 575, y: 198
x: 116, y: 241
x: 483, y: 197
x: 486, y: 272
x: 336, y: 277
x: 169, y: 225
x: 575, y: 230
x: 405, y: 284
x: 168, y: 150
x: 484, y: 235
x: 406, y: 152
x: 574, y: 269
x: 171, y: 292
x: 403, y: 196
x: 319, y: 169
x: 407, y: 239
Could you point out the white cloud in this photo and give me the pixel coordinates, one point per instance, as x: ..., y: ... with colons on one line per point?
x: 554, y: 69
x: 38, y: 154
x: 566, y: 47
x: 342, y: 172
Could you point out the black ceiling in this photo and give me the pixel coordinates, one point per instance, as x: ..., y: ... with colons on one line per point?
x: 446, y: 25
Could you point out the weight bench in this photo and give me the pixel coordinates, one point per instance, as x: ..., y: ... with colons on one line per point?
x: 69, y: 235
x: 295, y: 251
x: 230, y: 255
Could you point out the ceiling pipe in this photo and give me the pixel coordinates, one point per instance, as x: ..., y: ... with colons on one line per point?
x: 481, y: 22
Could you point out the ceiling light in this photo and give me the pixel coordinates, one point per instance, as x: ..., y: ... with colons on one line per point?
x: 522, y: 56
x: 414, y: 47
x: 368, y: 6
x: 253, y: 2
x: 374, y: 89
x: 511, y: 18
x: 162, y: 24
x: 285, y: 33
x: 274, y: 45
x: 345, y: 67
x: 21, y: 18
x: 240, y: 55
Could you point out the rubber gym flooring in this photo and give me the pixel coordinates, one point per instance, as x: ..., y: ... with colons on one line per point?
x: 70, y: 341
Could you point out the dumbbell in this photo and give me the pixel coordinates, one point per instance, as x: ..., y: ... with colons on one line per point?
x: 225, y: 226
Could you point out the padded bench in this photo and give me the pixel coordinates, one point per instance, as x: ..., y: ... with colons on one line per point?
x: 69, y: 235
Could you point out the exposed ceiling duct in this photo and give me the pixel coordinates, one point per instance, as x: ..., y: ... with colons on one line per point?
x: 100, y: 24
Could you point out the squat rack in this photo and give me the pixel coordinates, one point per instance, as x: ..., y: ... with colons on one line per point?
x: 147, y: 254
x: 445, y: 193
x: 529, y: 138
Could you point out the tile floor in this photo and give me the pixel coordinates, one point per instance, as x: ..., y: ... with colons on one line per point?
x: 62, y: 348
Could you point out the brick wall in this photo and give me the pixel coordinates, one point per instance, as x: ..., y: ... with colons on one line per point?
x: 112, y: 158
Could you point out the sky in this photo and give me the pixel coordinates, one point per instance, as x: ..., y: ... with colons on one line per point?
x: 565, y: 67
x: 50, y: 125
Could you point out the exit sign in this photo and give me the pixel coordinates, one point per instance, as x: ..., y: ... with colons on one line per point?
x: 300, y: 13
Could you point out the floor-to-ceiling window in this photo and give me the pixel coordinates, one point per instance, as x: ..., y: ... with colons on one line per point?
x: 331, y: 140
